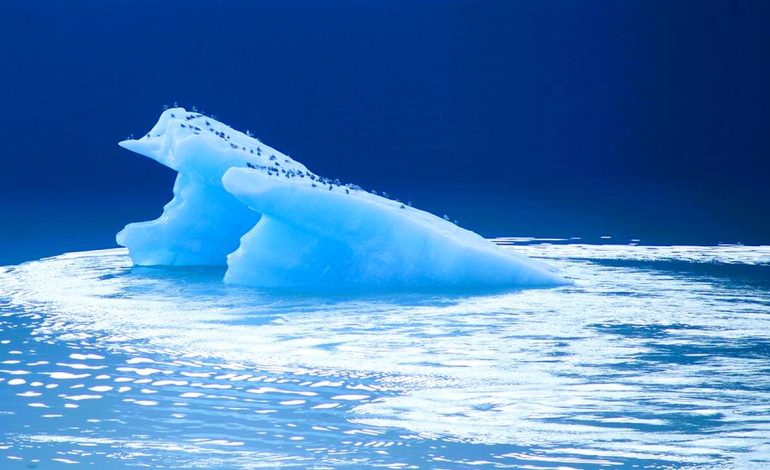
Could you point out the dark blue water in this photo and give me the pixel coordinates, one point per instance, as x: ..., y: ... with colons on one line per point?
x: 638, y: 119
x: 643, y: 121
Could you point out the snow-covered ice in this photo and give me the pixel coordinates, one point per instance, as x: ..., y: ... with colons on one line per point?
x: 276, y: 224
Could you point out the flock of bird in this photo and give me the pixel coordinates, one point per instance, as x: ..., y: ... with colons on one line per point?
x: 194, y: 120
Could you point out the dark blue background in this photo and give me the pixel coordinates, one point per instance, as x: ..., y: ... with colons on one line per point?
x: 646, y: 119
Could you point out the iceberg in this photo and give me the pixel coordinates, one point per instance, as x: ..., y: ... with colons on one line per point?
x: 275, y: 224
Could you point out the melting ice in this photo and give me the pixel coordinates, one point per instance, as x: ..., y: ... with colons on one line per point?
x: 276, y: 224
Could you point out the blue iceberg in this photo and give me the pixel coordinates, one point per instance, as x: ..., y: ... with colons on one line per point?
x: 276, y: 224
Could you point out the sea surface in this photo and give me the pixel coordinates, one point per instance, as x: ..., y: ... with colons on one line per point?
x: 657, y: 357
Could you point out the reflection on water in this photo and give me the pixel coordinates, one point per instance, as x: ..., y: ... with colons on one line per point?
x: 641, y: 362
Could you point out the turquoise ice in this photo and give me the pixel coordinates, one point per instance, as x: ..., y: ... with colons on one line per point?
x: 276, y: 224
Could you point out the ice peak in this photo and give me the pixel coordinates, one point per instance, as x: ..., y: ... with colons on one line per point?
x: 277, y: 224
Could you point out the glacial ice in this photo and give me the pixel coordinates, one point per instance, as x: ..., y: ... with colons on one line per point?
x: 276, y: 224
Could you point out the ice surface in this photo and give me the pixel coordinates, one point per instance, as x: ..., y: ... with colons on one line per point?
x: 277, y: 224
x: 203, y: 222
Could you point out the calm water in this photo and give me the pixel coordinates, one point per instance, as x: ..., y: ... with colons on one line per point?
x: 658, y: 357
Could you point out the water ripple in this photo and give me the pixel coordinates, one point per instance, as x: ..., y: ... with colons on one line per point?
x: 640, y: 363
